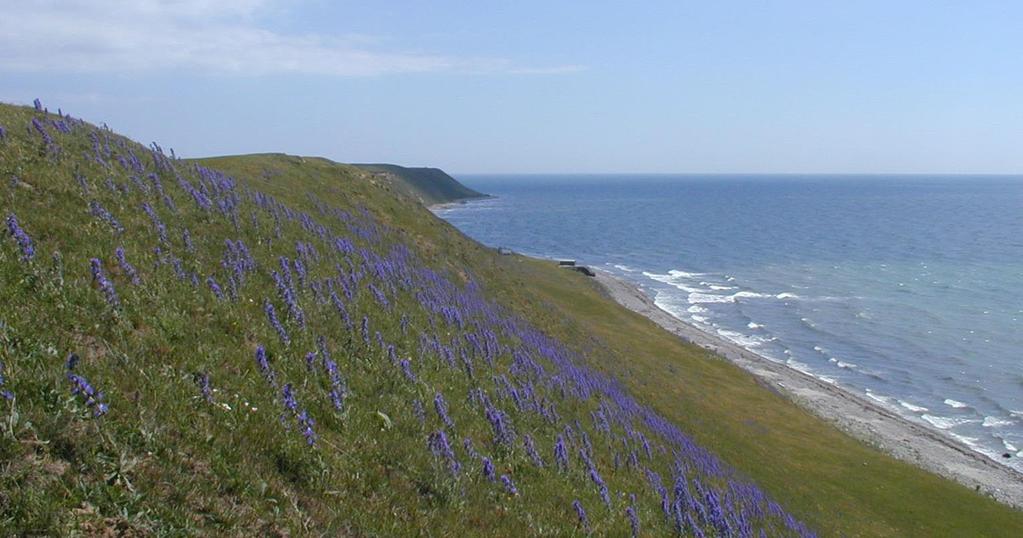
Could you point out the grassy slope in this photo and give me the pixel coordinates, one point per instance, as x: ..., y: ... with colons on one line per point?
x: 826, y: 477
x: 163, y: 460
x: 430, y: 185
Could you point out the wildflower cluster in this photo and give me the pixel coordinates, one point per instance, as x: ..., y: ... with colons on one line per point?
x: 80, y: 387
x: 28, y: 250
x: 104, y: 283
x: 352, y: 277
x: 129, y: 269
x: 98, y: 211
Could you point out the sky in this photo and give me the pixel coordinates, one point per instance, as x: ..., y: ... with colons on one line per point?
x: 540, y: 87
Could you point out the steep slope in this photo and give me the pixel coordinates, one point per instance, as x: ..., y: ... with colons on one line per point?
x: 432, y: 185
x: 276, y: 345
x: 165, y: 315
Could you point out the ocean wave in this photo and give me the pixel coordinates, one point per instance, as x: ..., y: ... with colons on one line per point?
x: 842, y: 364
x: 625, y: 268
x: 743, y: 340
x: 955, y: 403
x: 995, y: 422
x: 754, y: 325
x: 699, y: 297
x: 913, y: 408
x: 945, y: 423
x: 879, y: 398
x: 751, y: 295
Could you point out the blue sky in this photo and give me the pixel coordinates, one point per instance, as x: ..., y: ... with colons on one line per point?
x: 803, y: 87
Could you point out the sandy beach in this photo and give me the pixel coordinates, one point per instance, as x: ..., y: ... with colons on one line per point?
x: 853, y: 414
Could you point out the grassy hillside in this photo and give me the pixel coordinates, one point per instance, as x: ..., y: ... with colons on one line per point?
x: 275, y: 345
x: 431, y: 185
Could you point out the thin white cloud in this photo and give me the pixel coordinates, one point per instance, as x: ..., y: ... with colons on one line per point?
x: 108, y: 36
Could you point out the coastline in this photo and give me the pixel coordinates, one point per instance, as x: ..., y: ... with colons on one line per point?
x: 440, y: 206
x: 855, y: 415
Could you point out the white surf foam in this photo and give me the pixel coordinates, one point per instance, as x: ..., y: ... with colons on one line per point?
x: 698, y: 297
x: 995, y: 422
x: 753, y: 325
x: 913, y: 408
x: 955, y: 403
x: 878, y: 398
x: 751, y: 295
x: 945, y: 423
x: 743, y: 340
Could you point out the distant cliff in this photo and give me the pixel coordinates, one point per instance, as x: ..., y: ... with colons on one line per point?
x: 430, y: 185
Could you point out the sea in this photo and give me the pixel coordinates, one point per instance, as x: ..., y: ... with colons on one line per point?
x: 905, y: 289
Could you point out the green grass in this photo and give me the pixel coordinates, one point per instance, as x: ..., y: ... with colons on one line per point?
x: 164, y: 461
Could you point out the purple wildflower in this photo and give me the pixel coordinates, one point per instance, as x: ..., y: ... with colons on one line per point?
x: 439, y: 446
x: 310, y: 361
x: 470, y: 449
x: 503, y: 433
x: 305, y: 422
x: 527, y: 441
x: 203, y: 380
x: 186, y: 238
x: 28, y: 250
x: 406, y: 368
x: 105, y: 285
x: 441, y: 407
x: 41, y: 129
x: 595, y: 477
x: 418, y: 411
x: 509, y: 486
x: 337, y: 389
x: 3, y: 133
x: 584, y: 522
x: 129, y: 269
x: 286, y: 292
x: 214, y: 287
x: 561, y: 453
x: 264, y: 366
x: 271, y: 316
x: 161, y: 229
x: 288, y: 397
x: 341, y: 310
x: 81, y: 387
x: 4, y: 393
x: 630, y: 512
x: 488, y: 469
x: 37, y: 104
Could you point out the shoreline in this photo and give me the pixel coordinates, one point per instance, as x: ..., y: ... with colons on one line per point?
x: 440, y: 206
x: 855, y: 415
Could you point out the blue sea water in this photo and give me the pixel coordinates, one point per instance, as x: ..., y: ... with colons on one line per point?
x: 905, y: 289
